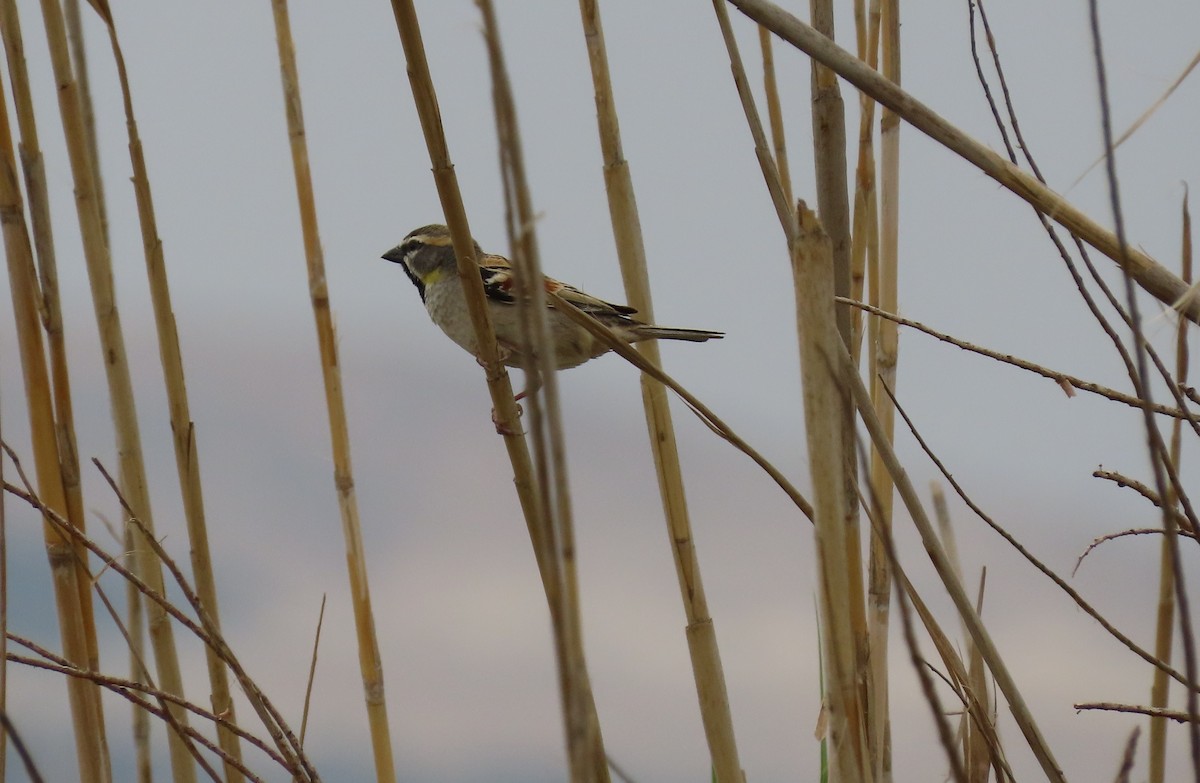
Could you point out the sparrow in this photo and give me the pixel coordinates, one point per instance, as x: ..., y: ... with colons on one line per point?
x: 428, y: 259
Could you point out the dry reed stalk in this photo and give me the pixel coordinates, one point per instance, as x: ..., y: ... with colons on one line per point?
x: 187, y: 461
x: 884, y: 347
x: 83, y: 697
x: 585, y: 743
x: 775, y: 112
x: 136, y: 622
x: 707, y: 671
x: 762, y: 148
x: 50, y: 303
x: 370, y: 663
x: 1165, y: 611
x: 833, y: 208
x: 1154, y: 278
x: 954, y: 587
x: 83, y: 79
x: 812, y: 265
x: 864, y: 237
x: 124, y: 413
x: 975, y: 728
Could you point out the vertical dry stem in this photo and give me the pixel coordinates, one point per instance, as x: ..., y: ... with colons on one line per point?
x: 775, y: 112
x: 83, y: 697
x: 812, y: 265
x: 585, y: 747
x: 187, y: 461
x: 584, y: 743
x: 50, y: 303
x: 631, y: 253
x: 1165, y: 613
x: 884, y: 353
x: 124, y: 413
x: 370, y: 664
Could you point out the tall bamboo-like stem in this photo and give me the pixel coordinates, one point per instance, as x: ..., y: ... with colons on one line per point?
x: 1152, y: 276
x: 762, y: 149
x: 775, y: 112
x: 50, y: 302
x: 884, y: 353
x: 864, y: 247
x: 585, y: 748
x: 631, y: 253
x: 183, y: 431
x: 99, y: 266
x: 1165, y: 613
x: 584, y: 743
x: 83, y: 697
x: 829, y: 158
x: 370, y: 664
x: 838, y: 569
x: 136, y: 622
x: 83, y: 79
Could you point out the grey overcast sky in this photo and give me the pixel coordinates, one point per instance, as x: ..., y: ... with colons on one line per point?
x: 464, y: 633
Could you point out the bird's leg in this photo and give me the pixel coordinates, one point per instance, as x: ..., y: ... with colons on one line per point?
x: 503, y: 354
x: 533, y: 383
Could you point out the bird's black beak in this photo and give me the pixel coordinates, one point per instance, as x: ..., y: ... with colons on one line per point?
x: 394, y: 255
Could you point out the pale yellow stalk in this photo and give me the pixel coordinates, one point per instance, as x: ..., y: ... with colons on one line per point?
x: 631, y: 254
x: 884, y: 354
x: 83, y: 697
x: 585, y: 747
x: 839, y: 572
x: 1165, y: 611
x: 120, y: 384
x: 370, y: 663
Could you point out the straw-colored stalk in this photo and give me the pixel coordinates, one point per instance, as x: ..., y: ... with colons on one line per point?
x: 883, y: 362
x: 829, y: 160
x: 1152, y: 276
x: 76, y: 41
x: 945, y: 571
x: 187, y: 461
x: 775, y: 112
x: 120, y: 384
x: 864, y: 247
x: 837, y: 569
x: 762, y: 148
x: 370, y: 663
x: 631, y: 254
x: 1165, y: 613
x: 974, y: 732
x: 50, y: 303
x: 83, y: 697
x: 136, y: 622
x: 585, y: 743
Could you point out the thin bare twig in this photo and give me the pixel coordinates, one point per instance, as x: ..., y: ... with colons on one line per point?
x: 1038, y: 564
x: 1060, y: 378
x: 1141, y: 531
x: 1175, y: 715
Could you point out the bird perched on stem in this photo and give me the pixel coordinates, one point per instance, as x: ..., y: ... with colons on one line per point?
x: 427, y: 257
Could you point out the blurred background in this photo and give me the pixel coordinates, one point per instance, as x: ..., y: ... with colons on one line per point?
x: 464, y: 632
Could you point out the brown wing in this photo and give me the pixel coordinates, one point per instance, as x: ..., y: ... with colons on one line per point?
x: 500, y: 285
